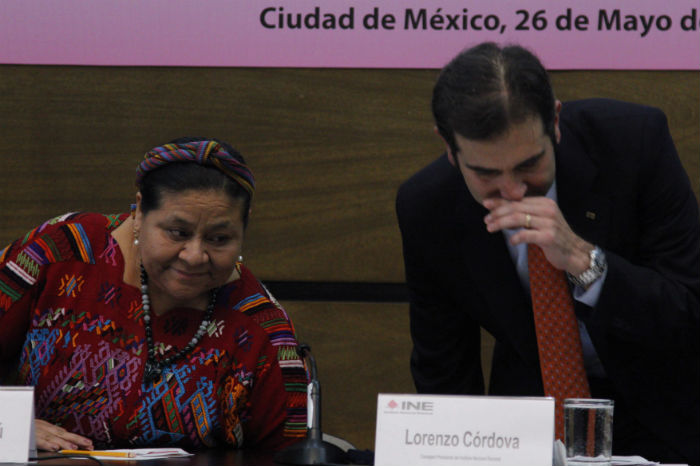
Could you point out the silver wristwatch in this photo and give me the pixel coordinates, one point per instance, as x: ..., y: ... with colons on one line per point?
x: 596, y: 268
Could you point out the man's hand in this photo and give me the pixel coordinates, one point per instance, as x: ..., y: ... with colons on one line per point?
x: 53, y: 438
x: 544, y: 227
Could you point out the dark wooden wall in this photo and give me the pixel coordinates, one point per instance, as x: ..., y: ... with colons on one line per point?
x: 329, y: 148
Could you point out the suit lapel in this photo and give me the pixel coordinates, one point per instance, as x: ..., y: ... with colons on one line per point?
x: 488, y: 263
x: 586, y: 210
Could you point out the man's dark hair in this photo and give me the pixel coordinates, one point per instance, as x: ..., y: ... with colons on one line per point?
x: 486, y: 89
x: 178, y: 177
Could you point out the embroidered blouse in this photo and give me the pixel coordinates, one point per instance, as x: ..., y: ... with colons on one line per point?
x: 70, y: 327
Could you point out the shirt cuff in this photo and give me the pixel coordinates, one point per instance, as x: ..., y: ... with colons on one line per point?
x: 590, y: 296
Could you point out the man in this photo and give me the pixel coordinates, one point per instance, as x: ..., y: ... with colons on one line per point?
x: 598, y: 187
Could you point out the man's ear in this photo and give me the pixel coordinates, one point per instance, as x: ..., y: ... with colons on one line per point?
x: 557, y: 131
x: 450, y: 156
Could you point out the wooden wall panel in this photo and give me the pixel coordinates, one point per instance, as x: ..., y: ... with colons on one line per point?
x: 329, y: 148
x: 361, y: 349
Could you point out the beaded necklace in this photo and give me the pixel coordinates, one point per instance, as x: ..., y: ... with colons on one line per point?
x: 154, y: 367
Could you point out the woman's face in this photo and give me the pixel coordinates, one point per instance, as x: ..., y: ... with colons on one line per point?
x: 190, y: 243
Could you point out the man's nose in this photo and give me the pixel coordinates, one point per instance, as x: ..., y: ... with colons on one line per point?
x: 512, y: 188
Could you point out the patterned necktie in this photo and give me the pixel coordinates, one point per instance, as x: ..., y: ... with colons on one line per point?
x: 558, y: 339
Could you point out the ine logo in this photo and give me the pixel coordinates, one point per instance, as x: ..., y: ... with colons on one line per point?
x: 407, y: 406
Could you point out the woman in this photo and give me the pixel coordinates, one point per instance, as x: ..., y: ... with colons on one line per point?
x: 145, y: 328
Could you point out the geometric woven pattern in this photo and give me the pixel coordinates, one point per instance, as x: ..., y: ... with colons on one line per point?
x: 78, y: 331
x: 558, y: 339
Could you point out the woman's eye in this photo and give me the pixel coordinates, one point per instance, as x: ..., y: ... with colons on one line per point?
x: 175, y: 233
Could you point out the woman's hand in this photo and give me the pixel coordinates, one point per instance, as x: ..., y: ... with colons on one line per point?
x: 53, y: 438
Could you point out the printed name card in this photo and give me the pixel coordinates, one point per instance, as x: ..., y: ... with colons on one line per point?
x: 439, y: 430
x: 17, y: 441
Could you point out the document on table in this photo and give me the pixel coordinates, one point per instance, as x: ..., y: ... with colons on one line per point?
x: 638, y: 461
x: 559, y: 458
x: 129, y: 454
x: 631, y: 461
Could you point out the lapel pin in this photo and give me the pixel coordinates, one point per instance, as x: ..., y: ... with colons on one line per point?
x: 590, y: 215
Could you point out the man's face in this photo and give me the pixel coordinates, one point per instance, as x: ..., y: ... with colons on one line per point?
x: 511, y: 166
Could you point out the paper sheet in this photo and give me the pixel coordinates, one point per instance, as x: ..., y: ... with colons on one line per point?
x: 136, y: 454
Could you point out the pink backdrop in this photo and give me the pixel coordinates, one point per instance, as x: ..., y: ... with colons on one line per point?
x: 600, y: 34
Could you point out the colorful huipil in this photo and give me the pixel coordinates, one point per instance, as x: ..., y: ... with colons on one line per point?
x: 70, y: 327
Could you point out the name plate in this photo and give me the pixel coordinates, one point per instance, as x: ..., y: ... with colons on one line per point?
x: 438, y: 430
x: 17, y: 441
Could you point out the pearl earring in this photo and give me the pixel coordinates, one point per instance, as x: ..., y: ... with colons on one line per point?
x: 136, y: 241
x: 240, y: 258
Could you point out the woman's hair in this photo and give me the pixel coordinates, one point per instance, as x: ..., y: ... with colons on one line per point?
x: 180, y: 175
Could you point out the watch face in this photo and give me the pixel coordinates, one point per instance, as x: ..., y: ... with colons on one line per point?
x: 599, y: 259
x: 596, y: 269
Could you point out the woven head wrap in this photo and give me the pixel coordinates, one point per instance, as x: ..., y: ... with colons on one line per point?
x: 208, y: 153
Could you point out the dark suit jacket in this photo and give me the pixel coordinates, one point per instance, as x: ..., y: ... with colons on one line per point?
x: 620, y: 185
